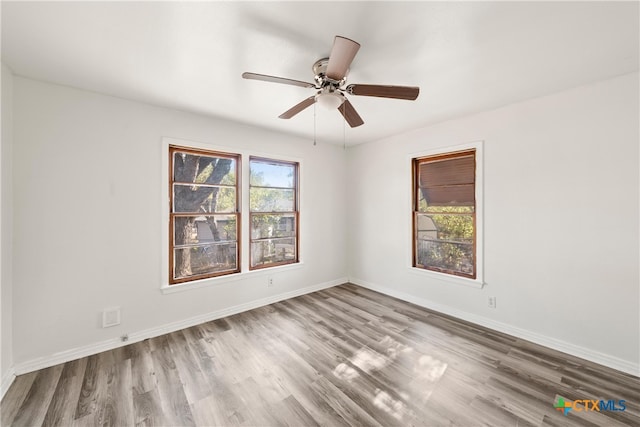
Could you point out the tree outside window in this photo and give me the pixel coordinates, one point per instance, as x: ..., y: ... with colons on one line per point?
x: 204, y: 214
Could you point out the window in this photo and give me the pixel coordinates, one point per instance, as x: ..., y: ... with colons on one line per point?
x: 273, y: 205
x: 204, y: 214
x: 444, y: 213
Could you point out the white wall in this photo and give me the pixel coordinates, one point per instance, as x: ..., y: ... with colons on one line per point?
x: 6, y: 191
x: 87, y: 224
x: 561, y: 220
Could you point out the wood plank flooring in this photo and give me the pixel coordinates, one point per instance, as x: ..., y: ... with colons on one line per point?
x: 345, y: 356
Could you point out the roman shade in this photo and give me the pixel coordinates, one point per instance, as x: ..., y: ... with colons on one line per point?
x: 448, y: 180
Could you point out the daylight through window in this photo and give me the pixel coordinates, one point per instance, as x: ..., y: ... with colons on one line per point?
x: 204, y: 214
x: 444, y: 213
x: 273, y: 205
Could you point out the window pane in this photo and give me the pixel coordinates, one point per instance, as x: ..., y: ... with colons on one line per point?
x: 445, y: 227
x: 426, y: 227
x: 266, y: 174
x: 206, y: 259
x: 271, y: 200
x: 201, y: 169
x: 455, y: 257
x: 450, y: 209
x: 269, y: 225
x: 273, y: 251
x: 422, y: 202
x: 191, y: 230
x: 198, y: 199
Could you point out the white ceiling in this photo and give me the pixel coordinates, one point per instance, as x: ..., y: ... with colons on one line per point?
x: 466, y: 57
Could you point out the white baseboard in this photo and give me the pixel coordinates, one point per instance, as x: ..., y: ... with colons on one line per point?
x: 553, y: 343
x: 88, y: 350
x: 7, y: 380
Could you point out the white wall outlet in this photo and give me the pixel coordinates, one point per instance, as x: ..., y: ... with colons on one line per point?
x: 269, y: 281
x: 110, y: 317
x: 492, y: 302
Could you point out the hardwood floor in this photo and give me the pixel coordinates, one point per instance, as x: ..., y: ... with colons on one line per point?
x: 342, y: 356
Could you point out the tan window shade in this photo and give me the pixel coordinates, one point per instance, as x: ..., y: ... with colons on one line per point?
x: 448, y: 181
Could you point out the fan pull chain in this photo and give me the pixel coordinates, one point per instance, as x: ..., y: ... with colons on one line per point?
x: 344, y: 134
x: 314, y: 123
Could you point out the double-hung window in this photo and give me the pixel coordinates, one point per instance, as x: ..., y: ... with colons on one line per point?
x: 444, y: 213
x: 204, y: 215
x: 273, y: 206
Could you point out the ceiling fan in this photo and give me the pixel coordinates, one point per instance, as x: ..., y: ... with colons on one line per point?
x: 330, y: 78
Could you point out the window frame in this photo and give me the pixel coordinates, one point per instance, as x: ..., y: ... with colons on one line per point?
x: 295, y: 212
x: 172, y: 149
x: 478, y: 280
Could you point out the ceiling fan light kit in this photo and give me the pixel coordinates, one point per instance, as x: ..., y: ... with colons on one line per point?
x: 330, y: 100
x: 330, y: 78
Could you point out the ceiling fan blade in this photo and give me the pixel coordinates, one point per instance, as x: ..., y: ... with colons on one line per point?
x: 298, y: 107
x: 350, y: 114
x: 342, y: 54
x: 273, y: 79
x: 385, y: 91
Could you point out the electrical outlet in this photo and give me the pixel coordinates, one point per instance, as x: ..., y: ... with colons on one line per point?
x: 110, y: 317
x: 492, y: 302
x: 269, y: 281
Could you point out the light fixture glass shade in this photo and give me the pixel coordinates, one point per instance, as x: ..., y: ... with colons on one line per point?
x: 330, y: 101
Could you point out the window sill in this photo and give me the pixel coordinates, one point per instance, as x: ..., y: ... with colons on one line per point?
x: 473, y: 283
x: 221, y: 280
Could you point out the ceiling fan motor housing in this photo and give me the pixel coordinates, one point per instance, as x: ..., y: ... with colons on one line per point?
x: 322, y: 80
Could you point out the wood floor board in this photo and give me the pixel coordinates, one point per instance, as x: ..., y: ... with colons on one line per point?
x: 88, y: 420
x: 147, y: 409
x: 348, y: 410
x: 170, y: 388
x: 343, y: 356
x: 592, y: 378
x: 492, y: 412
x: 159, y: 342
x: 62, y: 408
x: 293, y: 413
x: 209, y: 412
x: 14, y: 398
x: 116, y: 409
x: 89, y: 388
x: 195, y: 383
x: 356, y: 384
x: 359, y: 315
x: 34, y: 407
x: 143, y: 375
x: 310, y: 400
x: 527, y: 397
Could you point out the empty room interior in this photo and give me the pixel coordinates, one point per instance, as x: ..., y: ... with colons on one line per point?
x: 320, y: 213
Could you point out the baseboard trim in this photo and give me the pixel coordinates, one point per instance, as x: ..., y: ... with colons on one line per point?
x: 88, y: 350
x: 555, y: 344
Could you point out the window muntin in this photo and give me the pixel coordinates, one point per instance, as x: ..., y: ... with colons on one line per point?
x: 204, y: 217
x: 273, y: 206
x: 444, y: 213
